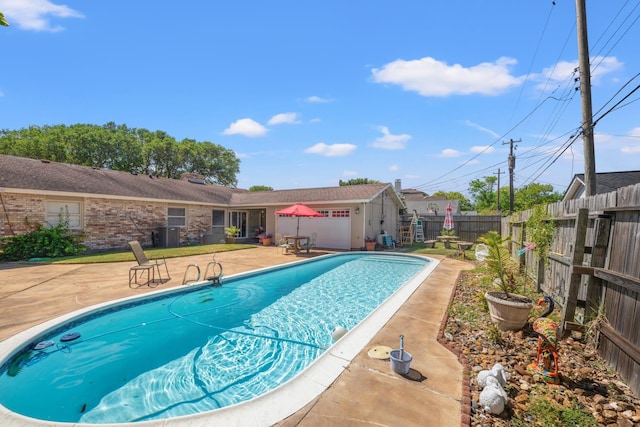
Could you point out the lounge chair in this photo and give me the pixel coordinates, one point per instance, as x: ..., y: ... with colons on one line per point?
x: 145, y: 264
x: 310, y: 243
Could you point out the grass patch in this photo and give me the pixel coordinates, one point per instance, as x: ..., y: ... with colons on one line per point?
x: 544, y: 410
x: 120, y: 256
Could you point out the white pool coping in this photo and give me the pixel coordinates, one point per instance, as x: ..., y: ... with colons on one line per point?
x: 266, y: 409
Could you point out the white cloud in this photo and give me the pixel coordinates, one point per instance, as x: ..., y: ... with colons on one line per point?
x: 486, y: 149
x: 317, y: 100
x: 450, y: 152
x: 246, y: 127
x: 391, y: 142
x: 278, y: 119
x: 36, y: 14
x: 481, y: 128
x: 430, y: 77
x: 349, y: 173
x: 394, y: 168
x: 631, y: 150
x: 334, y: 150
x: 557, y: 75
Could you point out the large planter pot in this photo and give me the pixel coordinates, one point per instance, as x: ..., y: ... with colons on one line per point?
x: 371, y: 246
x: 266, y: 241
x: 508, y: 314
x: 230, y: 239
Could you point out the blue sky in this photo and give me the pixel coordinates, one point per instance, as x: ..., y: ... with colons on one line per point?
x: 310, y: 92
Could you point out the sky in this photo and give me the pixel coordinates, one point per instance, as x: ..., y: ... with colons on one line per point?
x: 308, y: 93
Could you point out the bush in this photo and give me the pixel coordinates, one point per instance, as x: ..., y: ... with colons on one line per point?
x: 41, y: 242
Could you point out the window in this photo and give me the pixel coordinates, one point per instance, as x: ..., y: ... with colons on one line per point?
x: 343, y: 213
x: 217, y: 219
x: 58, y: 211
x: 177, y: 217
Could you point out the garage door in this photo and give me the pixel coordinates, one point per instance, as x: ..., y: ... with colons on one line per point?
x: 333, y: 230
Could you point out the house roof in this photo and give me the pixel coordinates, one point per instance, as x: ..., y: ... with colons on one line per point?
x: 605, y: 182
x: 38, y: 176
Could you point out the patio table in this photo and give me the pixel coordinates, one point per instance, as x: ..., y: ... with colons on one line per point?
x: 296, y: 241
x: 447, y: 240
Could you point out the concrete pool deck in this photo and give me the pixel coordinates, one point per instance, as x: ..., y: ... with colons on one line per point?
x: 368, y: 392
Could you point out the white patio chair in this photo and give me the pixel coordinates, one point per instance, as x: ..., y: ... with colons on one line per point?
x: 282, y: 244
x: 311, y: 242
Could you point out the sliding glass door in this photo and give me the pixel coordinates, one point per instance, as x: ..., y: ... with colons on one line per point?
x: 239, y: 219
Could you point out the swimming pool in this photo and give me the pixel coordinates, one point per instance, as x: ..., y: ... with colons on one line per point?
x: 194, y: 362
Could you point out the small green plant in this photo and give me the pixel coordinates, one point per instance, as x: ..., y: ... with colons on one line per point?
x: 446, y: 232
x: 232, y: 231
x: 494, y: 334
x: 540, y: 230
x: 543, y: 410
x: 500, y: 263
x: 42, y: 242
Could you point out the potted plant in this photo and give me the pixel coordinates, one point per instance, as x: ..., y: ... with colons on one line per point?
x: 232, y: 234
x: 370, y: 243
x: 265, y: 238
x: 509, y: 311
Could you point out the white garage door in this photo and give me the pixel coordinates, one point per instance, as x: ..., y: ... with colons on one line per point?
x: 333, y: 230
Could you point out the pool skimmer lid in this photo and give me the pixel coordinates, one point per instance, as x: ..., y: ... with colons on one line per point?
x: 379, y: 352
x: 70, y: 336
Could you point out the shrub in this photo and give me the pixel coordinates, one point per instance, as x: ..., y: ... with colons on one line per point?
x: 41, y: 242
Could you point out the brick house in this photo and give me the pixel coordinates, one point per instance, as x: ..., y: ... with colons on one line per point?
x: 110, y: 208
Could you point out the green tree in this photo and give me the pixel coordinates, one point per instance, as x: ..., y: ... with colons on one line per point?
x: 358, y: 181
x: 483, y: 194
x: 534, y: 194
x: 465, y: 203
x: 260, y: 188
x: 3, y: 21
x: 119, y: 147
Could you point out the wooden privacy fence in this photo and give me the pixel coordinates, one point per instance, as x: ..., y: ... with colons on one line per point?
x: 467, y: 227
x: 593, y: 271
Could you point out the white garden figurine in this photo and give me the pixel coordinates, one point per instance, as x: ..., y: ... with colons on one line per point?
x: 493, y: 398
x: 496, y: 371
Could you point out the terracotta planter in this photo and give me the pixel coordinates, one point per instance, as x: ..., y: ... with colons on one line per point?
x: 230, y: 239
x: 508, y: 315
x: 371, y: 246
x: 266, y: 241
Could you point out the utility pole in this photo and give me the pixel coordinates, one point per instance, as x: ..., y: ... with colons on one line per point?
x: 585, y: 91
x: 512, y: 166
x: 498, y: 173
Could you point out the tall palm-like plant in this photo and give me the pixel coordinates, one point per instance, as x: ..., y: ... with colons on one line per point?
x: 499, y: 261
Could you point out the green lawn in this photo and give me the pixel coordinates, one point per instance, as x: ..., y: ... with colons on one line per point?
x: 150, y: 252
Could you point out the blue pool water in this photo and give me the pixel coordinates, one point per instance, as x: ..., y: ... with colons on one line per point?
x: 199, y: 348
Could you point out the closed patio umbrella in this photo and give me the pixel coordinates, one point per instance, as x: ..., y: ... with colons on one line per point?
x: 298, y: 210
x: 448, y: 218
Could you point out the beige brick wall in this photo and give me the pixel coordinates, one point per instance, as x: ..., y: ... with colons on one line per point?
x: 15, y: 208
x: 107, y: 223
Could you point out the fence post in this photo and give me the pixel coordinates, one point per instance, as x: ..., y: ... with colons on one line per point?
x: 571, y: 298
x: 601, y: 230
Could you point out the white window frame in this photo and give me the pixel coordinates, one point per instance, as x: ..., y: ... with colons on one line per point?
x: 174, y: 218
x: 68, y: 209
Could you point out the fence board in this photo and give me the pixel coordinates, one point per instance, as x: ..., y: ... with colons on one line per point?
x: 616, y: 269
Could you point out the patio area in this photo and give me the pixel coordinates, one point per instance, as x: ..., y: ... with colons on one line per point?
x: 368, y: 392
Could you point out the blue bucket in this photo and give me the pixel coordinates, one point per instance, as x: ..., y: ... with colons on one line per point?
x: 400, y: 365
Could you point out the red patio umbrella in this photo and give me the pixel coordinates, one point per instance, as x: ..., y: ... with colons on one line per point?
x: 298, y: 210
x: 448, y: 218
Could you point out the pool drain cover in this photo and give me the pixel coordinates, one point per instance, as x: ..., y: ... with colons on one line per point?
x: 379, y: 352
x: 70, y: 336
x: 43, y: 344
